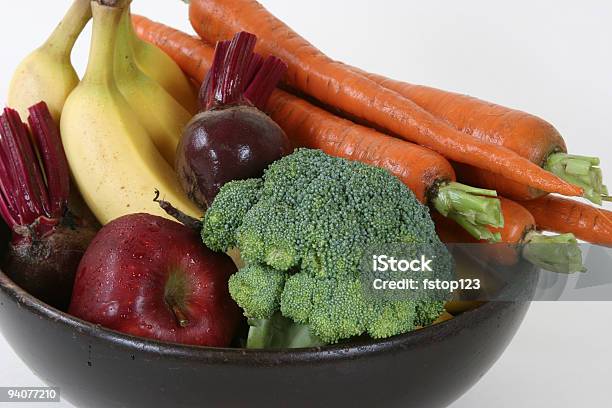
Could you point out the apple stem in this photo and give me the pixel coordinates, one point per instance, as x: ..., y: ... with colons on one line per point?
x: 177, y: 214
x: 180, y: 316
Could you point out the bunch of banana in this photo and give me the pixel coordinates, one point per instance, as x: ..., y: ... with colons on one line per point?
x: 120, y: 127
x: 158, y: 66
x: 159, y: 113
x: 47, y: 73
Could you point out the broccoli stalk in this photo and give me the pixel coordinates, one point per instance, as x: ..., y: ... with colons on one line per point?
x: 279, y: 332
x: 475, y: 209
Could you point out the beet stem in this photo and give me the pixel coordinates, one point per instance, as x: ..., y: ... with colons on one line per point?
x: 240, y: 76
x: 8, y: 204
x: 28, y: 205
x: 232, y: 84
x: 207, y: 93
x: 265, y: 81
x: 48, y: 141
x: 233, y: 65
x: 12, y: 187
x: 178, y: 215
x: 254, y: 67
x: 32, y: 169
x: 5, y: 210
x: 32, y: 166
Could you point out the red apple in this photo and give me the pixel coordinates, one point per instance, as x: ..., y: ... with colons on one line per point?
x: 151, y: 277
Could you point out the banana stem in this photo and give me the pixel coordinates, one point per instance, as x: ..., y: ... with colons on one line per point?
x: 556, y: 253
x: 63, y: 38
x: 113, y: 3
x: 135, y: 42
x: 582, y: 171
x: 100, y: 67
x: 475, y: 209
x: 125, y: 61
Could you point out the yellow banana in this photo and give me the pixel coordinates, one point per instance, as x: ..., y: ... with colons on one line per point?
x: 114, y: 162
x: 158, y: 66
x: 47, y: 73
x: 158, y: 112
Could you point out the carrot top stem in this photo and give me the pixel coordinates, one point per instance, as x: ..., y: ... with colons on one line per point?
x: 582, y: 171
x: 555, y: 253
x: 475, y: 209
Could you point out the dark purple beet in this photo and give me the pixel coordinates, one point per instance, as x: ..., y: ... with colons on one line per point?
x: 46, y: 267
x: 48, y: 241
x: 232, y: 139
x: 241, y: 136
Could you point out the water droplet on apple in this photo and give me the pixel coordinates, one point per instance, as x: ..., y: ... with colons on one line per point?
x: 138, y: 255
x: 110, y: 309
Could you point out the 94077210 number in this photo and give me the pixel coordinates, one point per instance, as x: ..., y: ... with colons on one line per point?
x: 29, y: 394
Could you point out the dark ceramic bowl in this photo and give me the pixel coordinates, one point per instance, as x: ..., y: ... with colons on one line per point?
x: 96, y: 367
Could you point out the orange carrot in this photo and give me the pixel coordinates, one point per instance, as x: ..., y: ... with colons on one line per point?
x: 519, y: 238
x: 530, y: 136
x: 426, y: 173
x: 332, y: 83
x: 563, y: 215
x: 309, y: 126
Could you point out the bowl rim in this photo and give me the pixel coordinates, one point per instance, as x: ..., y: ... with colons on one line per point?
x: 268, y: 357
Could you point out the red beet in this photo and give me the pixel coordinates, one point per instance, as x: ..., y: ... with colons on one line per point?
x: 48, y: 241
x: 232, y: 138
x: 151, y: 277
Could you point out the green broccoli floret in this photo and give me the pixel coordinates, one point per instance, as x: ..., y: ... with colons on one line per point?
x: 227, y: 212
x: 268, y: 235
x: 257, y: 290
x: 428, y: 312
x: 315, y: 218
x: 334, y: 308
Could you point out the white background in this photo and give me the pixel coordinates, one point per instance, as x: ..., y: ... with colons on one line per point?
x: 551, y: 58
